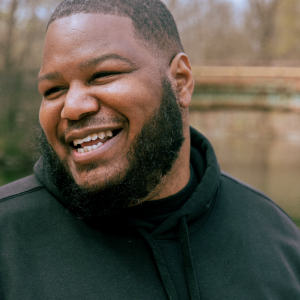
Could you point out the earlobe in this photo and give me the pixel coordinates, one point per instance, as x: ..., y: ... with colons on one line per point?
x: 182, y: 79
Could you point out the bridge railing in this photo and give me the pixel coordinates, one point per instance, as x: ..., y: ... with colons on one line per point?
x: 262, y: 88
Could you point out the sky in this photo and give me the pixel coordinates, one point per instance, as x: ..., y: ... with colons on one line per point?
x: 239, y: 3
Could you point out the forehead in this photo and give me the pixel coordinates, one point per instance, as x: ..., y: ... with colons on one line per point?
x: 84, y: 36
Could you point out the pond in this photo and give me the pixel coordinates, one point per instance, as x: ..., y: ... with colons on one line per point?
x: 261, y: 148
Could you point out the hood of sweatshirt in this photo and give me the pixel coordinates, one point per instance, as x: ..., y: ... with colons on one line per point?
x: 178, y: 224
x: 195, y: 210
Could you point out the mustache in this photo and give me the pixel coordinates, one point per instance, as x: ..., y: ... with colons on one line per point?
x: 91, y: 121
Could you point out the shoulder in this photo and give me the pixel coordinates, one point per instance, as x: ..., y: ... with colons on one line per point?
x: 27, y: 201
x: 246, y: 205
x: 26, y: 185
x: 22, y: 195
x: 242, y: 191
x: 248, y: 231
x: 238, y: 187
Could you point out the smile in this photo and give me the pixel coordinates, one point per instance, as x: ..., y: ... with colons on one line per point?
x: 94, y: 141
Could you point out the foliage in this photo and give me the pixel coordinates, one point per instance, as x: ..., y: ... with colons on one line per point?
x: 212, y: 31
x: 23, y: 25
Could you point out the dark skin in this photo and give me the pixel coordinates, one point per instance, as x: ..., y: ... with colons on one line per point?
x: 97, y: 76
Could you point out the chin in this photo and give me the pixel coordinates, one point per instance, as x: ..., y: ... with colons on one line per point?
x: 96, y: 180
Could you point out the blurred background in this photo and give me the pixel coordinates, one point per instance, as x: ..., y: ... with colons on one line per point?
x: 245, y: 56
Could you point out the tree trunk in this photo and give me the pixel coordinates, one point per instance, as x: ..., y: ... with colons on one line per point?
x: 8, y: 60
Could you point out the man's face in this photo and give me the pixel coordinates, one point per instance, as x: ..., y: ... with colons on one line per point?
x: 100, y: 86
x: 151, y: 156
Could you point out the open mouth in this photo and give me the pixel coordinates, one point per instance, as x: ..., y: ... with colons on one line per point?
x: 94, y: 141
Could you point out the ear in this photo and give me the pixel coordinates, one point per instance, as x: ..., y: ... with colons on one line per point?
x: 182, y: 79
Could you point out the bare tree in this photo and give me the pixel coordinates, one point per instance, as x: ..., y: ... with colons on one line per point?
x: 10, y: 26
x: 209, y: 30
x: 22, y: 30
x: 287, y: 31
x: 261, y: 26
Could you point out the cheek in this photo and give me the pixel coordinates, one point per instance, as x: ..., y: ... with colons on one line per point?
x: 49, y: 117
x: 135, y: 99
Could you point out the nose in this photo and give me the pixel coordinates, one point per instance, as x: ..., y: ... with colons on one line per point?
x: 79, y: 103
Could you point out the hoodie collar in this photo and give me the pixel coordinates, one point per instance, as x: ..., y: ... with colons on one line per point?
x: 197, y: 207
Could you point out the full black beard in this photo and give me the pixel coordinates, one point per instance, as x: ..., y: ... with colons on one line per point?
x: 151, y: 156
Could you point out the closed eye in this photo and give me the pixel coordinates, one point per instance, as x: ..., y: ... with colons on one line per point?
x: 52, y: 91
x: 104, y: 74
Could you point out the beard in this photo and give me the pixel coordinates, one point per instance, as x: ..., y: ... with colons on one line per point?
x: 150, y: 157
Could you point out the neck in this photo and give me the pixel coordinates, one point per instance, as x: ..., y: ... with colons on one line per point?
x: 178, y: 177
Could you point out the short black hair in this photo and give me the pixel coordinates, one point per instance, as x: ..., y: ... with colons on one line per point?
x: 152, y: 21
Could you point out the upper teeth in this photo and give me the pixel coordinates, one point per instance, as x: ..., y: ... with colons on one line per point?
x: 101, y: 135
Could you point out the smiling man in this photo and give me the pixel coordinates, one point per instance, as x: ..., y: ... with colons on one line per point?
x: 127, y: 201
x: 110, y: 114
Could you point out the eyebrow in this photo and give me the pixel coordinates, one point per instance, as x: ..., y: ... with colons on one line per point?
x: 94, y: 61
x: 50, y: 76
x: 85, y: 65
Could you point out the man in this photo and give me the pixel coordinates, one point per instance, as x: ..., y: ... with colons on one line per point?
x: 127, y: 201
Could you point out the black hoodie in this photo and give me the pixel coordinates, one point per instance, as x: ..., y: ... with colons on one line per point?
x: 216, y: 239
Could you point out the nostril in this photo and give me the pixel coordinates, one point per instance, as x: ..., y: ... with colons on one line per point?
x: 83, y: 115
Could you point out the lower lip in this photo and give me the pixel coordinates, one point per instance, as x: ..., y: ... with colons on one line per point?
x: 93, y: 155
